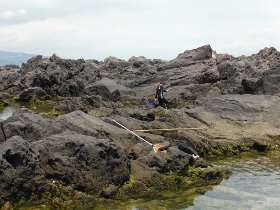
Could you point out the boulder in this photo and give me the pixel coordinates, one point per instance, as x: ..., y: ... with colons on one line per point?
x: 175, y: 161
x: 108, y: 89
x: 33, y: 127
x: 29, y: 126
x: 110, y: 191
x: 20, y: 169
x: 33, y: 93
x: 70, y: 104
x: 250, y: 85
x: 83, y: 161
x: 199, y: 54
x: 269, y: 84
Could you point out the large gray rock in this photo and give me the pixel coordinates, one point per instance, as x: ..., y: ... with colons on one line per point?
x: 174, y: 160
x: 83, y: 161
x: 269, y: 84
x: 29, y: 126
x: 20, y: 169
x: 108, y: 89
x: 33, y: 93
x: 9, y: 79
x: 201, y: 53
x: 33, y: 127
x: 252, y: 108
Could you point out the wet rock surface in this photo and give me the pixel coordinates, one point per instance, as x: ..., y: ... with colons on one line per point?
x: 223, y: 105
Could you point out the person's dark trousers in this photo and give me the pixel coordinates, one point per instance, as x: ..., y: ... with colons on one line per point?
x: 163, y: 102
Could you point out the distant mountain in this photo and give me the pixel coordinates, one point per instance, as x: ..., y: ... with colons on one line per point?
x: 17, y: 58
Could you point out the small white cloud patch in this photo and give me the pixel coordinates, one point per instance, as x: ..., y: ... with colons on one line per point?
x: 11, y: 14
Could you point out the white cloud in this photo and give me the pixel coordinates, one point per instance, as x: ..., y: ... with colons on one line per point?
x: 21, y: 12
x: 7, y: 14
x: 125, y: 28
x: 10, y: 14
x: 251, y: 41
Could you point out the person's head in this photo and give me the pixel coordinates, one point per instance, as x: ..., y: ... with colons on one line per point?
x: 162, y: 83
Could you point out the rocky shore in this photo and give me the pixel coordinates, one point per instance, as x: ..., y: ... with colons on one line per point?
x: 78, y: 154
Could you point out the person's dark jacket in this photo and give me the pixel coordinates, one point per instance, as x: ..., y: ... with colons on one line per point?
x: 159, y: 92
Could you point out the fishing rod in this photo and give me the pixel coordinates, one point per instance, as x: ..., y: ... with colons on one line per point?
x: 156, y: 147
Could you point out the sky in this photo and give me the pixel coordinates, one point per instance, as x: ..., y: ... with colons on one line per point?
x: 155, y: 29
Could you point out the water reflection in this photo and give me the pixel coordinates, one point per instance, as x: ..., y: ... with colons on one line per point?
x: 7, y: 112
x: 255, y: 184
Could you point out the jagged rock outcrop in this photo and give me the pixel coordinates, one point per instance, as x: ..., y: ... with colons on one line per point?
x: 194, y: 74
x: 56, y: 76
x: 234, y: 100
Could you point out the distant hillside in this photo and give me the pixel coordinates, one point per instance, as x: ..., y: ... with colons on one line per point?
x: 17, y: 58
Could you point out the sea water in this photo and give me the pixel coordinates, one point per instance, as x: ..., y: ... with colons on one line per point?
x: 7, y: 112
x: 254, y: 184
x: 33, y: 107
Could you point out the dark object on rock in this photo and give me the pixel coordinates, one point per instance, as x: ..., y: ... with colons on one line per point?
x: 183, y: 147
x: 151, y: 103
x: 186, y: 148
x: 143, y: 117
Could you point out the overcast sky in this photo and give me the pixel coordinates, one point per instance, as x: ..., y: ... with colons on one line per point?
x: 97, y: 29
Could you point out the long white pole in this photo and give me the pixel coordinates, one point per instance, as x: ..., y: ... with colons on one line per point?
x: 133, y: 133
x: 171, y: 129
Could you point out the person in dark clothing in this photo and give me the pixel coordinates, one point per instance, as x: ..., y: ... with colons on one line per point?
x: 187, y: 149
x: 183, y: 147
x: 159, y: 95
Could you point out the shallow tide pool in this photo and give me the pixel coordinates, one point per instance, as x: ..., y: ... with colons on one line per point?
x: 8, y: 111
x: 254, y: 184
